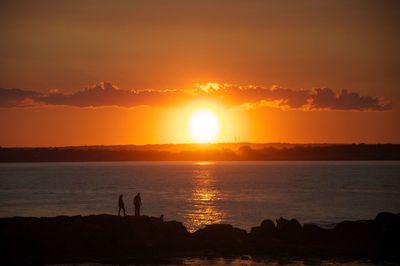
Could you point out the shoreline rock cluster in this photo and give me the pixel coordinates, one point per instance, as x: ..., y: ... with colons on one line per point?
x: 109, y: 238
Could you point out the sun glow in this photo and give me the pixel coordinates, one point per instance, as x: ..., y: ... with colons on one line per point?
x: 204, y: 126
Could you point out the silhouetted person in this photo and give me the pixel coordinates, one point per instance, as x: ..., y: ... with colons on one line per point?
x: 121, y: 205
x: 137, y: 201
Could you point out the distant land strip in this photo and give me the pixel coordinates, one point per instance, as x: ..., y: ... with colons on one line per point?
x: 204, y: 152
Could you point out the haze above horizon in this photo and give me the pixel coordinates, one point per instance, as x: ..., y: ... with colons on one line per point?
x: 78, y: 73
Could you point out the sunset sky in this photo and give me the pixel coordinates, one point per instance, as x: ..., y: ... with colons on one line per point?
x: 135, y: 72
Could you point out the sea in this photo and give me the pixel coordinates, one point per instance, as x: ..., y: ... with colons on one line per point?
x: 199, y: 193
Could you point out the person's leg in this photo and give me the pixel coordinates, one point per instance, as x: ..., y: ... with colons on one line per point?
x: 119, y: 211
x: 138, y: 211
x: 124, y: 212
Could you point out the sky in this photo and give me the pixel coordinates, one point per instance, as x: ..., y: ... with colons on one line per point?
x: 133, y: 72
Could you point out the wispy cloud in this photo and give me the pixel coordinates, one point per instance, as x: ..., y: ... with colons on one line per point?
x: 105, y: 94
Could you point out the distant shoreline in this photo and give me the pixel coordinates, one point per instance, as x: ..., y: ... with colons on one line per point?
x: 206, y: 152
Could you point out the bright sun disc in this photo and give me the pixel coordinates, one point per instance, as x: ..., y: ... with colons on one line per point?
x: 203, y: 126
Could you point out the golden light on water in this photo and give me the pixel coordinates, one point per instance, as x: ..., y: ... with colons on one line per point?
x: 203, y: 198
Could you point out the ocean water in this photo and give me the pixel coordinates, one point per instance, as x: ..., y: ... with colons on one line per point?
x: 200, y: 193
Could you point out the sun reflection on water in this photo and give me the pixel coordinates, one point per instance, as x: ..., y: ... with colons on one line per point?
x: 203, y: 199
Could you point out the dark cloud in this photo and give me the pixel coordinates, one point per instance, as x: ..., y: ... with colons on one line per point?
x: 325, y: 98
x: 105, y: 94
x: 17, y: 97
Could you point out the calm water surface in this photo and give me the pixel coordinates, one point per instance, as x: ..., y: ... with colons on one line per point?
x: 199, y: 193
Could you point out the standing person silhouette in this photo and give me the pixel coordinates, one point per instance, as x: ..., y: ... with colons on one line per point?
x: 121, y: 205
x: 137, y: 201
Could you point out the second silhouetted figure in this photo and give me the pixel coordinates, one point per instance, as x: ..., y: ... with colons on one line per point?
x: 121, y: 205
x: 137, y: 201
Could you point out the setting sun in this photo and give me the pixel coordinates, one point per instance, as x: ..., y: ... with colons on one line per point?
x: 203, y: 126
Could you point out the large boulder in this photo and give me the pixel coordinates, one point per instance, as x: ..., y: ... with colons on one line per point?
x: 266, y: 229
x: 389, y: 226
x: 288, y: 229
x: 388, y: 220
x: 223, y: 237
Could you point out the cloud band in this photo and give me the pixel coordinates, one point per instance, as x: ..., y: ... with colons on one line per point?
x: 105, y: 94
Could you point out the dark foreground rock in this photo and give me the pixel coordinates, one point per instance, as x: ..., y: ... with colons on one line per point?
x: 108, y: 238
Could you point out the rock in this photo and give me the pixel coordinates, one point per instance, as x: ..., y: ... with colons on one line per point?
x: 387, y: 220
x: 245, y: 257
x: 117, y: 239
x: 97, y: 236
x: 266, y: 229
x: 268, y: 225
x: 220, y: 237
x: 314, y: 233
x: 389, y: 225
x: 288, y: 229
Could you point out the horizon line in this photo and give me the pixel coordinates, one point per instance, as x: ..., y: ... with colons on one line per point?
x: 203, y: 144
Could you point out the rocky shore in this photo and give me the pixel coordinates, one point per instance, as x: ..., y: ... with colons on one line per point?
x: 109, y: 238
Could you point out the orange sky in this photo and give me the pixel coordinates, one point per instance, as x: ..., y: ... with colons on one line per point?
x: 270, y: 59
